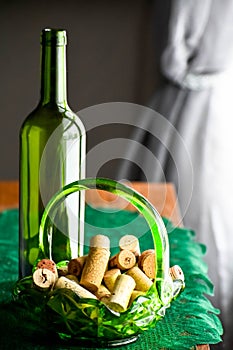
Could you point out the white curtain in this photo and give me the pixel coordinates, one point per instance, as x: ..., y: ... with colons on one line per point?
x: 197, y: 98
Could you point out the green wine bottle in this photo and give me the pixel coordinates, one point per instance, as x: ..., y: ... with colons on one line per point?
x: 52, y: 154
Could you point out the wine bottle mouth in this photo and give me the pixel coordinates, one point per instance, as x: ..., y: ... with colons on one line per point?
x: 52, y: 36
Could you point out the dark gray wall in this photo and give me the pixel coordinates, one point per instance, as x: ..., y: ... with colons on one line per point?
x: 110, y: 58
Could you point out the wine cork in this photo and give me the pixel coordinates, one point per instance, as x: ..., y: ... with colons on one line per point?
x: 135, y: 294
x: 176, y: 273
x: 130, y: 242
x: 64, y: 282
x: 120, y: 297
x: 100, y: 241
x: 96, y: 263
x: 47, y: 264
x: 105, y: 301
x: 147, y: 263
x: 124, y: 260
x: 72, y: 278
x: 110, y: 277
x: 143, y: 283
x: 75, y: 266
x: 62, y: 270
x: 102, y: 292
x: 44, y: 279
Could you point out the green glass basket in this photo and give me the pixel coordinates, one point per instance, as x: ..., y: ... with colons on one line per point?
x: 89, y: 321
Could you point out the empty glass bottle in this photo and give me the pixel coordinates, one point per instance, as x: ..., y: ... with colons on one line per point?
x: 52, y: 154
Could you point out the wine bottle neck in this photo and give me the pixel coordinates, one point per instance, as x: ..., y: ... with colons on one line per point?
x: 53, y: 74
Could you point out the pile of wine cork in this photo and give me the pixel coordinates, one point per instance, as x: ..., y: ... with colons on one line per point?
x: 115, y: 280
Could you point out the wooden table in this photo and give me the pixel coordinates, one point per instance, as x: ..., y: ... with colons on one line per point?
x: 162, y: 196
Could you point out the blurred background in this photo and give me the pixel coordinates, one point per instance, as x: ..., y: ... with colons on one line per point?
x: 110, y: 57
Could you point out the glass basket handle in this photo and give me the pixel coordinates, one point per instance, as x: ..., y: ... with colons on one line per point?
x: 151, y: 215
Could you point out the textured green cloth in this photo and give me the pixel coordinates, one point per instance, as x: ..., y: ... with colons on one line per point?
x: 190, y: 320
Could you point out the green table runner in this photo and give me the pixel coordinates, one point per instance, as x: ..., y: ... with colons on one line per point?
x: 190, y: 320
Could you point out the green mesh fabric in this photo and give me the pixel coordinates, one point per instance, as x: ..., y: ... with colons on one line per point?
x: 190, y: 320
